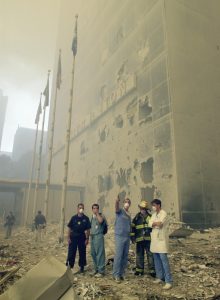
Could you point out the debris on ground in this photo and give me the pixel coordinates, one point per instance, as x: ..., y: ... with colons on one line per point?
x: 194, y: 259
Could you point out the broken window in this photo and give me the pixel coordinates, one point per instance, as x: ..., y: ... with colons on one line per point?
x: 105, y: 183
x: 119, y: 121
x: 136, y: 164
x: 129, y: 171
x: 100, y: 183
x: 103, y: 133
x: 121, y: 177
x: 147, y: 170
x: 131, y: 110
x: 145, y: 109
x: 101, y: 203
x: 122, y: 196
x: 147, y: 193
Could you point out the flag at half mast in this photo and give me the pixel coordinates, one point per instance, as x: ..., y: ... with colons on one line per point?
x: 46, y: 92
x: 59, y: 80
x: 39, y: 111
x: 74, y: 43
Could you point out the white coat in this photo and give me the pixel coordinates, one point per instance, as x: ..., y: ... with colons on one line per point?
x: 159, y: 236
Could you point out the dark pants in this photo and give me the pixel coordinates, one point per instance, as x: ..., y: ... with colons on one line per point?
x: 141, y: 248
x: 8, y: 231
x: 77, y: 242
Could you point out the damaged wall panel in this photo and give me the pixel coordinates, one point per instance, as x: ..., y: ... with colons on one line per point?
x: 147, y: 170
x: 130, y: 75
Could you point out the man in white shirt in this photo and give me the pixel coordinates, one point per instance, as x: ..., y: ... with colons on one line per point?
x: 160, y: 244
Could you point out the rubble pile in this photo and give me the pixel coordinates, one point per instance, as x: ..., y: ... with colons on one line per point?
x: 195, y: 264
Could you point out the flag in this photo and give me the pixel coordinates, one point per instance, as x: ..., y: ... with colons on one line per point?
x: 46, y: 93
x: 74, y: 43
x: 59, y: 81
x: 39, y: 111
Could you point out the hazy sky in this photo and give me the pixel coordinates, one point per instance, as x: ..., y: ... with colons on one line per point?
x: 28, y: 30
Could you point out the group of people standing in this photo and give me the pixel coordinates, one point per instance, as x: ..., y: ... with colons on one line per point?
x: 148, y: 229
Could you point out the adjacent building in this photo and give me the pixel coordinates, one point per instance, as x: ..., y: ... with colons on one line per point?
x: 3, y: 107
x: 146, y: 104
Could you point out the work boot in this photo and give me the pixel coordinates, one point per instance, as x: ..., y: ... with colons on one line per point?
x: 94, y: 273
x: 167, y: 286
x: 81, y: 270
x: 117, y: 279
x: 158, y: 280
x: 152, y: 274
x: 99, y: 275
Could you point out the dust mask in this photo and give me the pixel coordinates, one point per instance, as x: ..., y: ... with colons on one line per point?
x: 154, y: 208
x: 81, y: 210
x: 126, y: 205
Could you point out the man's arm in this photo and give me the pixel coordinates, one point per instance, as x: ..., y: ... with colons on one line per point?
x: 117, y: 205
x: 87, y: 233
x: 68, y: 235
x: 132, y: 234
x: 161, y: 222
x: 100, y: 218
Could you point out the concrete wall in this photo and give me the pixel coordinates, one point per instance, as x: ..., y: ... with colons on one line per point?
x: 122, y: 133
x: 192, y: 29
x: 3, y: 107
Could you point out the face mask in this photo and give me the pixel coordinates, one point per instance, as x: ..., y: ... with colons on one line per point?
x: 126, y: 205
x: 154, y: 208
x: 94, y: 216
x: 81, y: 210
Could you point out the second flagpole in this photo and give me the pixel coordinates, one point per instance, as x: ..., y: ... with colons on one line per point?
x: 58, y: 83
x: 67, y: 144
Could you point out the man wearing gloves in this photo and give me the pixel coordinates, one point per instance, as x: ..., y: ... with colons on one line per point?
x: 122, y: 238
x: 141, y: 236
x: 159, y: 244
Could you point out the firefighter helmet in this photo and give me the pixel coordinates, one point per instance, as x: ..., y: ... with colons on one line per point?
x: 143, y: 204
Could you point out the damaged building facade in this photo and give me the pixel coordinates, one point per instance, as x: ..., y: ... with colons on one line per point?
x: 146, y: 102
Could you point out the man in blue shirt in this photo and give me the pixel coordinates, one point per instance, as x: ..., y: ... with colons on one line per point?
x: 78, y: 237
x: 97, y: 241
x: 122, y: 238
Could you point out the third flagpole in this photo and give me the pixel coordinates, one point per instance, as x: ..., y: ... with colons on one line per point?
x: 67, y: 144
x: 37, y: 119
x: 46, y: 103
x: 58, y: 83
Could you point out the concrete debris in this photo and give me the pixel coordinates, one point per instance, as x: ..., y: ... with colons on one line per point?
x: 48, y: 280
x: 181, y: 233
x: 194, y: 259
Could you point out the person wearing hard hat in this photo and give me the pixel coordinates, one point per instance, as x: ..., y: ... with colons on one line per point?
x: 141, y: 236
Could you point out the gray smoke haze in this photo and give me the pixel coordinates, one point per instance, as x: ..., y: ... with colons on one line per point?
x: 28, y: 32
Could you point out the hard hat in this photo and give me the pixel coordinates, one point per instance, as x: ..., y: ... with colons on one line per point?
x: 143, y: 204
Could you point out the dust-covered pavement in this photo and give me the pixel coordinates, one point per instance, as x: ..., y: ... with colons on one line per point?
x: 195, y: 264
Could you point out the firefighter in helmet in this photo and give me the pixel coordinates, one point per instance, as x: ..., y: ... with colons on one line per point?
x: 141, y: 236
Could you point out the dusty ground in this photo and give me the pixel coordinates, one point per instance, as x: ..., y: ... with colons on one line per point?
x: 195, y: 264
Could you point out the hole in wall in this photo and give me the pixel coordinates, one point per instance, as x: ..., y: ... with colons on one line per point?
x: 147, y: 170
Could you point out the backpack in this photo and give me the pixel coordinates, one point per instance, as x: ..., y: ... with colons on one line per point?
x: 105, y: 226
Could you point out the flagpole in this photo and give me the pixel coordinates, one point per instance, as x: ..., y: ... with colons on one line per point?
x: 46, y: 202
x: 32, y: 164
x: 67, y: 144
x: 40, y: 156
